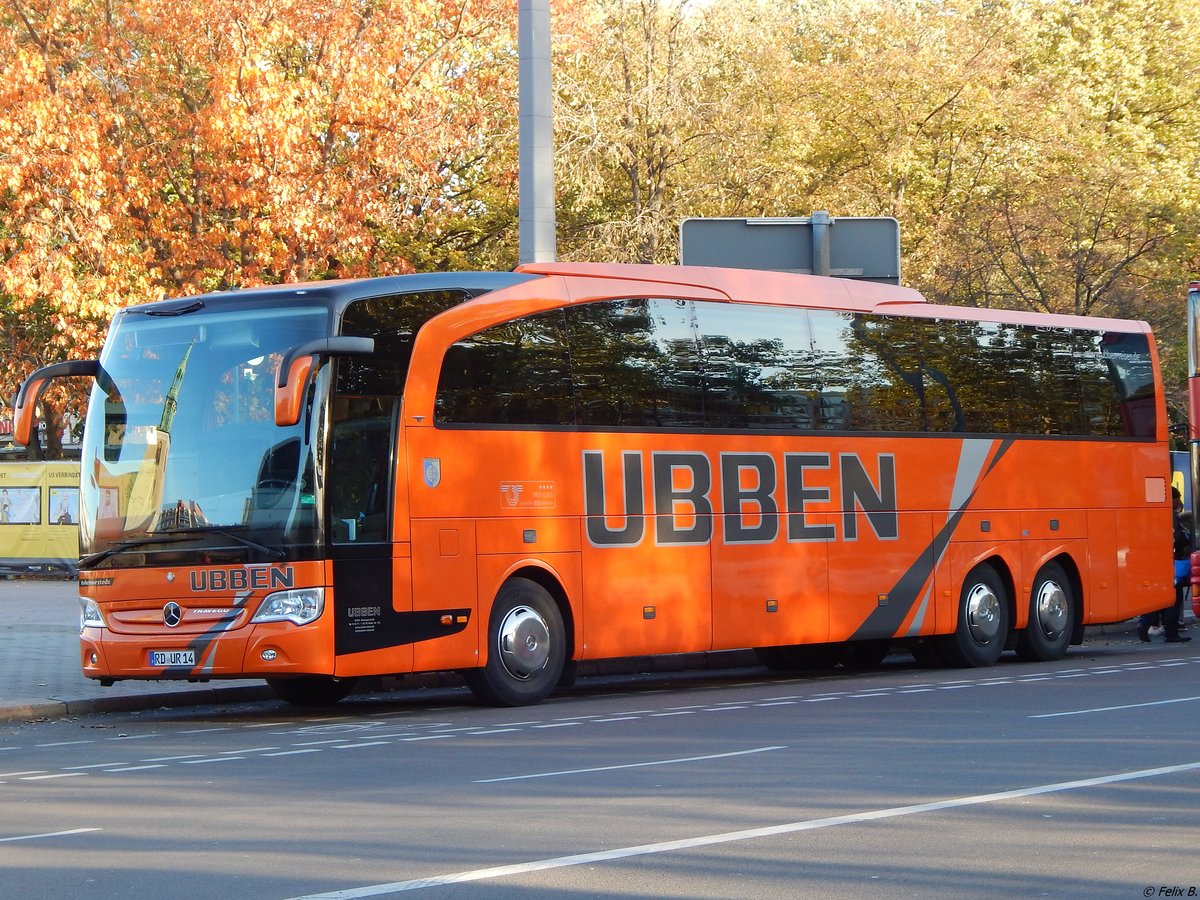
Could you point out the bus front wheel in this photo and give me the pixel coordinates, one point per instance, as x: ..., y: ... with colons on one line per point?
x: 983, y: 621
x: 526, y: 647
x: 1051, y: 617
x: 311, y: 690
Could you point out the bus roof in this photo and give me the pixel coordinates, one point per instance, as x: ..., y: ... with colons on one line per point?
x: 821, y: 292
x: 747, y: 284
x: 340, y: 292
x: 744, y: 285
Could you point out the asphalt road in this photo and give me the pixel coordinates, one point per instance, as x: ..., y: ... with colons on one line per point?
x: 1073, y: 779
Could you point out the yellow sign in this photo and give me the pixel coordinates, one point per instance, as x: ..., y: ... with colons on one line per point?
x: 39, y: 515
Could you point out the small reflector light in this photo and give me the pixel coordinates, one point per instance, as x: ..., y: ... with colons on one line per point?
x: 772, y: 606
x: 648, y: 612
x: 462, y: 620
x: 269, y: 655
x: 447, y: 620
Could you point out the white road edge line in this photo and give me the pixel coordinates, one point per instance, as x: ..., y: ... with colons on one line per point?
x: 657, y: 762
x: 1084, y: 712
x: 581, y: 859
x: 49, y: 834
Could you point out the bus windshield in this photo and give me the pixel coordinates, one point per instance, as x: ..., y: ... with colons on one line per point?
x: 185, y: 462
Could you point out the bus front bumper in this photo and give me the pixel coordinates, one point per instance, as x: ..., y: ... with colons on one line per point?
x: 262, y: 650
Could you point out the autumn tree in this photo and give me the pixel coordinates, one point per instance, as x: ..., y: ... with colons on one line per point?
x: 631, y: 109
x: 157, y: 148
x: 1038, y: 155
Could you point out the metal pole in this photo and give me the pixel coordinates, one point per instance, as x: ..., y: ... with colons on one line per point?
x: 820, y: 241
x: 535, y: 150
x: 1193, y: 425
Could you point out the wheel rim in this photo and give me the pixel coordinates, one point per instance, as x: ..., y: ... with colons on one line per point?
x: 1052, y: 609
x: 523, y: 642
x: 983, y: 614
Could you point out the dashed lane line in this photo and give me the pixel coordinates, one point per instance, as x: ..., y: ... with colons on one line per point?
x: 639, y: 765
x: 1100, y: 709
x: 48, y: 834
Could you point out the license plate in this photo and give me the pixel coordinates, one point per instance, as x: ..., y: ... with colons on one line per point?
x: 159, y: 658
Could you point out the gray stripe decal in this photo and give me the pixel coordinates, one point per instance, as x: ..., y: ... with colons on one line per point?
x: 884, y: 621
x: 971, y: 459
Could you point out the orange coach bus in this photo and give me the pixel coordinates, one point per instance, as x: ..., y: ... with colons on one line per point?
x: 504, y: 474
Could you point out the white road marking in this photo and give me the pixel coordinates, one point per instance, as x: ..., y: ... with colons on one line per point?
x: 657, y: 762
x: 136, y: 768
x: 49, y: 834
x: 1099, y: 709
x: 97, y: 765
x: 173, y: 758
x: 581, y: 859
x: 293, y: 752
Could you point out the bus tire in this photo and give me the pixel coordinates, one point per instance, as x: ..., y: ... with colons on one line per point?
x: 526, y: 647
x: 983, y: 621
x: 311, y: 690
x: 795, y: 657
x: 1051, y: 617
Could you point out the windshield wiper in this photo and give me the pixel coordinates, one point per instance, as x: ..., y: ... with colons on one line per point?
x: 229, y: 533
x: 119, y: 547
x: 173, y: 536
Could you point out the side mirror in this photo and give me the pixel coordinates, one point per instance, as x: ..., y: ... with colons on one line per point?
x: 30, y: 392
x: 297, y: 366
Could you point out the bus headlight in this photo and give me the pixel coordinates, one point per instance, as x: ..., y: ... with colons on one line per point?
x: 299, y: 606
x: 89, y: 614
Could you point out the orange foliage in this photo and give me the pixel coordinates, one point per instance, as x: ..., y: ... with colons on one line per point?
x: 158, y: 148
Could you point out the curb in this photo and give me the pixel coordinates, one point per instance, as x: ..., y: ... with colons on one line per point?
x: 41, y: 710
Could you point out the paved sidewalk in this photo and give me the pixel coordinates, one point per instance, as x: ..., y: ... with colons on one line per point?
x: 40, y: 676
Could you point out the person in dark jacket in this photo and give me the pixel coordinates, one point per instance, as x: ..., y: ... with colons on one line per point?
x: 1183, y: 551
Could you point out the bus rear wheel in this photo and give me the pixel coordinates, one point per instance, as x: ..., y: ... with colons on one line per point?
x: 311, y: 690
x: 526, y: 647
x: 1051, y: 617
x: 983, y: 621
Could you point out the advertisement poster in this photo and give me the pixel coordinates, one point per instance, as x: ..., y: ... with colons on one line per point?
x: 39, y: 516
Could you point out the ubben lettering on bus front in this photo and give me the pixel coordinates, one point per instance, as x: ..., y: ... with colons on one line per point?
x: 250, y: 578
x: 749, y: 489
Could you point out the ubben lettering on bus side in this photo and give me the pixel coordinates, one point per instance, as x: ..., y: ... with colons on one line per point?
x: 749, y: 490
